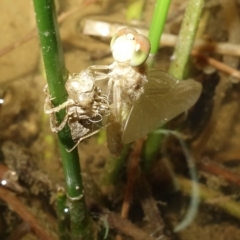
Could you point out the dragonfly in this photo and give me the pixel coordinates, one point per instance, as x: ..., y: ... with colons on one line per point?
x: 141, y: 99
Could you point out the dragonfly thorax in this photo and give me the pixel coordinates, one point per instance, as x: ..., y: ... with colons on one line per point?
x: 128, y: 80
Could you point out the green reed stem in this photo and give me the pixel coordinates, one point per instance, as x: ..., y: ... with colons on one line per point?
x: 186, y: 38
x: 56, y: 77
x: 157, y: 24
x: 152, y: 144
x: 181, y: 56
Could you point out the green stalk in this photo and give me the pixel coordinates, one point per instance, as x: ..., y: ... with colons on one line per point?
x: 157, y: 24
x: 186, y: 38
x: 178, y: 66
x: 151, y: 150
x: 152, y: 144
x: 56, y: 77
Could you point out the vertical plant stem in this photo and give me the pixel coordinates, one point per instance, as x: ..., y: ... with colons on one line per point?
x: 157, y: 24
x: 155, y: 32
x: 56, y: 76
x: 178, y: 66
x: 178, y: 69
x: 186, y: 38
x: 151, y: 150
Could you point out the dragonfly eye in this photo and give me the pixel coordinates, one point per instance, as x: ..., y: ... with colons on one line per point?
x: 142, y: 50
x: 120, y: 33
x: 129, y: 46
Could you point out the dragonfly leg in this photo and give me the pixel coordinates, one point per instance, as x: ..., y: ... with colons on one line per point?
x: 49, y: 110
x: 82, y: 138
x: 100, y: 76
x: 53, y: 123
x: 99, y: 67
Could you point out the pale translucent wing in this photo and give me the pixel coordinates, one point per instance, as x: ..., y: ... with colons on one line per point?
x: 164, y: 98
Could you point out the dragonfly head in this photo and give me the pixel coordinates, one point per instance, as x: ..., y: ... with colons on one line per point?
x: 129, y: 46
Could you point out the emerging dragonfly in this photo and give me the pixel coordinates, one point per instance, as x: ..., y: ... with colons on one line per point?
x: 141, y: 100
x: 85, y: 107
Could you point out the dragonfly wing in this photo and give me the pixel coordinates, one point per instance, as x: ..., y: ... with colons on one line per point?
x: 164, y: 98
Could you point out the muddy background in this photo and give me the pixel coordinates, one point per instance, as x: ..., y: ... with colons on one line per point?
x: 29, y: 156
